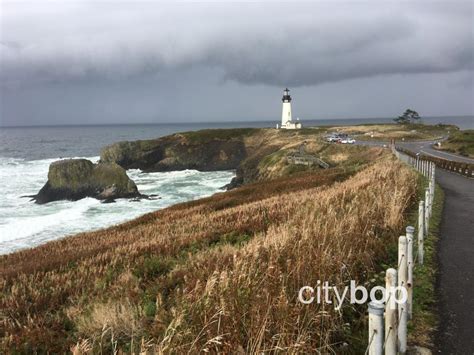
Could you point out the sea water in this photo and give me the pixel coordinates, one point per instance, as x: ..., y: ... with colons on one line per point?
x: 25, y: 224
x: 27, y: 152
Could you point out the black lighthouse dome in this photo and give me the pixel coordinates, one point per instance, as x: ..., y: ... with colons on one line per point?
x: 286, y: 95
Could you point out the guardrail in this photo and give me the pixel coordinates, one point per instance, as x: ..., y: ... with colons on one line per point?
x: 465, y: 169
x: 388, y: 321
x: 307, y: 160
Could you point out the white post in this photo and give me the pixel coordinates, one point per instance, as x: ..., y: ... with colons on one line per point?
x: 376, y: 333
x: 402, y: 282
x: 432, y: 183
x: 430, y: 189
x: 391, y: 312
x: 402, y: 328
x: 410, y: 230
x: 421, y: 231
x: 402, y: 261
x: 427, y: 211
x: 431, y: 197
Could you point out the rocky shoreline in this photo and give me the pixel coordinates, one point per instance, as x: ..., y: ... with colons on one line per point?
x: 255, y: 154
x: 207, y: 150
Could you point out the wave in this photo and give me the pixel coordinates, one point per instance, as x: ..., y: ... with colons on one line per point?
x: 25, y: 224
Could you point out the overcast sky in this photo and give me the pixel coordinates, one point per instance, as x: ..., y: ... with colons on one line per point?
x: 94, y: 62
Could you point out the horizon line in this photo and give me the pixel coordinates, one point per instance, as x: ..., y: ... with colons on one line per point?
x: 211, y: 122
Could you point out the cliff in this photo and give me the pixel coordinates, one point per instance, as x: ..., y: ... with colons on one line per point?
x: 206, y: 150
x: 256, y: 154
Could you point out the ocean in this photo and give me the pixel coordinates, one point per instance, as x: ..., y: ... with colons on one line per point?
x: 26, y: 152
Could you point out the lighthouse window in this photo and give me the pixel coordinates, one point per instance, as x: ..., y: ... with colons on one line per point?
x: 288, y: 114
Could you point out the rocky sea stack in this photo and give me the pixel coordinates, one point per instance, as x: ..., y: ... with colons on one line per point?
x: 74, y: 179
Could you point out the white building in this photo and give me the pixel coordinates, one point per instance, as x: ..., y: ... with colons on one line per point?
x: 286, y: 120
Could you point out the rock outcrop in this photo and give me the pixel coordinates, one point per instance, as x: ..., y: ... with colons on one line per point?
x: 74, y: 179
x: 208, y: 150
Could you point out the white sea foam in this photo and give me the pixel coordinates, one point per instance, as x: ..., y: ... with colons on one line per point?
x: 25, y: 224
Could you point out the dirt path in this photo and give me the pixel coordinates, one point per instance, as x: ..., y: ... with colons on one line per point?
x: 455, y: 284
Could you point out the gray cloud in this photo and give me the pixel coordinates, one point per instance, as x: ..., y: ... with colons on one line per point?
x: 61, y: 61
x: 269, y: 43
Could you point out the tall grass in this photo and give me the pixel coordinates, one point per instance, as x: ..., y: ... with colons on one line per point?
x: 216, y: 275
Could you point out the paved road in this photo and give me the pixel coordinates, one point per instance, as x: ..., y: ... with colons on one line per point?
x: 455, y: 284
x: 423, y: 147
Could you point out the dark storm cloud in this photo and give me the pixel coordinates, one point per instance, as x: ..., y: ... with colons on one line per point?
x: 267, y: 43
x: 141, y: 61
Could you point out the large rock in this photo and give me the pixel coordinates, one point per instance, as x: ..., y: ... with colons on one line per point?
x: 74, y: 179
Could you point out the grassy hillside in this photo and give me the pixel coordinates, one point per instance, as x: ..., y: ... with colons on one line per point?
x: 396, y: 131
x: 219, y: 274
x: 460, y: 142
x: 256, y: 154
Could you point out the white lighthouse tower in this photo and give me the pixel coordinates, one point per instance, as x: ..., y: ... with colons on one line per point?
x: 286, y: 120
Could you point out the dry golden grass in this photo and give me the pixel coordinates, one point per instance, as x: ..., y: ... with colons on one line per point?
x: 366, y: 128
x: 247, y: 296
x: 276, y: 165
x: 219, y: 274
x: 340, y: 157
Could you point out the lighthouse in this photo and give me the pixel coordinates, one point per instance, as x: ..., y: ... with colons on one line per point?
x: 286, y: 120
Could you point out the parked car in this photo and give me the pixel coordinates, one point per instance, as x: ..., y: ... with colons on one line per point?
x: 347, y: 141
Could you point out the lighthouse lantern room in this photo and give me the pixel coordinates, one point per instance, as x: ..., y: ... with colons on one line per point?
x: 286, y: 120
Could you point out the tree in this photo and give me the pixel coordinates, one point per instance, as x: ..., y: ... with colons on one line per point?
x: 409, y: 116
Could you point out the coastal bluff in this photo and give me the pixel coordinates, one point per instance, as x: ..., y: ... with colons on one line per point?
x: 206, y: 150
x: 239, y: 149
x: 74, y: 179
x: 256, y: 154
